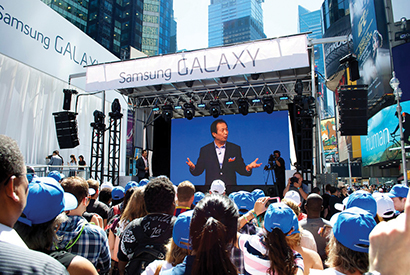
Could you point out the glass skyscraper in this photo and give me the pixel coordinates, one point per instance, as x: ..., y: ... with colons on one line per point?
x: 311, y: 21
x: 75, y: 11
x: 146, y: 25
x: 233, y: 21
x: 157, y: 30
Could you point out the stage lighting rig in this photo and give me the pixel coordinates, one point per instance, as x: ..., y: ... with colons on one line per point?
x: 115, y: 109
x: 243, y: 106
x: 98, y: 121
x: 189, y: 111
x: 167, y: 112
x: 214, y: 108
x: 268, y: 104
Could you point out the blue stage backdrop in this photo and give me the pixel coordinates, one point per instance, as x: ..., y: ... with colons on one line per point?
x: 258, y: 134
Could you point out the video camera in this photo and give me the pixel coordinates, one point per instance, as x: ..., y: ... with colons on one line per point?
x: 293, y: 180
x: 271, y: 163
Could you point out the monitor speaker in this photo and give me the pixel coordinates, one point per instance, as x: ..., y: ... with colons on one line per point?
x: 66, y: 129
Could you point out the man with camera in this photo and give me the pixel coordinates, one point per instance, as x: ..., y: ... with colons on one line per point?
x: 279, y: 168
x: 295, y: 183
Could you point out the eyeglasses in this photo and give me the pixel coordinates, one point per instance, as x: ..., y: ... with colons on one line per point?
x: 17, y: 175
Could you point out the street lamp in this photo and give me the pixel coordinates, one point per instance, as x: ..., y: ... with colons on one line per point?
x: 394, y: 83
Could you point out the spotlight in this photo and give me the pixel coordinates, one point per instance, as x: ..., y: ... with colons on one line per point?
x: 255, y: 76
x: 115, y: 109
x: 268, y: 104
x: 224, y: 79
x: 189, y: 111
x: 214, y: 108
x: 299, y: 87
x: 98, y: 120
x: 243, y: 106
x: 167, y: 112
x: 190, y: 83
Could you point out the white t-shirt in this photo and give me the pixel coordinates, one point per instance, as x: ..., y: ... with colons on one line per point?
x: 327, y: 271
x: 152, y: 267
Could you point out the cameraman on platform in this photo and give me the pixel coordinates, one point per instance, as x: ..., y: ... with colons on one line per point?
x: 279, y: 168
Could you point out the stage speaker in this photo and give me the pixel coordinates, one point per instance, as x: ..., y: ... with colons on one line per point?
x: 66, y: 129
x: 354, y: 70
x: 353, y: 110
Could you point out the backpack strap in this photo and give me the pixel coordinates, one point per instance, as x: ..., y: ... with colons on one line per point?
x: 159, y: 267
x: 72, y: 242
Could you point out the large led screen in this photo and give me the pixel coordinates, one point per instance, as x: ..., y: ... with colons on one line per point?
x: 258, y: 135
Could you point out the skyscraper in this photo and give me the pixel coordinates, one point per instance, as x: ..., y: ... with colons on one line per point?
x: 233, y: 21
x: 146, y: 25
x: 311, y: 21
x: 157, y: 30
x: 75, y: 11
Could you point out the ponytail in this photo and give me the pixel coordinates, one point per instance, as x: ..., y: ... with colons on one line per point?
x: 282, y: 260
x: 211, y: 255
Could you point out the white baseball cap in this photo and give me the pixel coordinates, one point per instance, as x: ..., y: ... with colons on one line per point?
x: 217, y: 187
x: 107, y: 184
x: 385, y: 206
x: 293, y: 196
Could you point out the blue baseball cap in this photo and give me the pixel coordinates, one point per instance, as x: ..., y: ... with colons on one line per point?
x: 55, y: 175
x: 117, y: 193
x: 257, y: 193
x: 244, y: 201
x: 363, y: 200
x: 46, y: 200
x: 197, y: 197
x: 143, y: 182
x: 130, y: 184
x: 399, y: 191
x: 353, y: 227
x: 281, y: 216
x: 180, y: 233
x: 232, y: 195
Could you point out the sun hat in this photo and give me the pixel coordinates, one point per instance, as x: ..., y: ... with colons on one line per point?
x: 130, y: 184
x: 244, y: 201
x: 399, y: 191
x: 281, y: 216
x: 180, y: 232
x: 293, y: 196
x: 352, y: 228
x: 363, y: 200
x: 46, y: 200
x: 217, y: 187
x: 117, y: 193
x: 197, y: 197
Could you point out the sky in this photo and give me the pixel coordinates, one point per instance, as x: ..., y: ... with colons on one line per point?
x: 280, y: 17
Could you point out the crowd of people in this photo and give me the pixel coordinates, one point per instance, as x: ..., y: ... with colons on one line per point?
x: 73, y: 225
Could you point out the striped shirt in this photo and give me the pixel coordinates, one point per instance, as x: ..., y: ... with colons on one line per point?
x: 255, y: 255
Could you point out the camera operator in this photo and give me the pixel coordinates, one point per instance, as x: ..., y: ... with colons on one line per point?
x: 279, y: 168
x: 295, y: 183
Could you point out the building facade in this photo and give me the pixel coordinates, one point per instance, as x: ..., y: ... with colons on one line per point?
x: 73, y: 10
x: 234, y: 21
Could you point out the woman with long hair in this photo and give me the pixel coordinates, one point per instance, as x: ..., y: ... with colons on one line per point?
x: 73, y: 162
x: 268, y: 252
x: 213, y: 229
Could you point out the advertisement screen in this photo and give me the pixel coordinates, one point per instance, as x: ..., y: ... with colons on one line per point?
x: 257, y: 135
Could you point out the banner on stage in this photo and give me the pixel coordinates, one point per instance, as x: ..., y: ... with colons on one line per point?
x: 247, y: 58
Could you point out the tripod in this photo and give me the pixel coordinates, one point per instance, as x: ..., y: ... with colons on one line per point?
x: 271, y: 173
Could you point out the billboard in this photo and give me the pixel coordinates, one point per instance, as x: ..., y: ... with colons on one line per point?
x: 371, y: 45
x: 329, y: 138
x: 382, y: 142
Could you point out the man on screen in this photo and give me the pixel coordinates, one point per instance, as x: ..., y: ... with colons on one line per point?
x: 221, y: 159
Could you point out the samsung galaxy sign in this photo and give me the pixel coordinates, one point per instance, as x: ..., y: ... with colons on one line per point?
x: 36, y: 35
x: 247, y: 58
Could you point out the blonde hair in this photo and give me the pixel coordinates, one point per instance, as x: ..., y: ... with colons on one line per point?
x: 292, y: 205
x: 136, y: 206
x: 345, y: 258
x: 175, y: 254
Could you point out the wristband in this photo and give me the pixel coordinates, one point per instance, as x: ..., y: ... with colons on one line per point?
x: 244, y: 216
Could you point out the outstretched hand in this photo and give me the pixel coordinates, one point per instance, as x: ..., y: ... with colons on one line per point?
x: 190, y: 164
x: 253, y: 164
